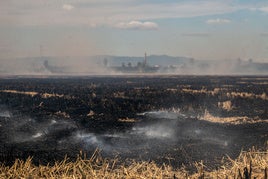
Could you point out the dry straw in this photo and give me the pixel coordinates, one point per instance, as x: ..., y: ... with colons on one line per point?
x: 249, y: 164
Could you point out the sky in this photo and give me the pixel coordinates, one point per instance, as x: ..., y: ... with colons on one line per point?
x: 202, y: 29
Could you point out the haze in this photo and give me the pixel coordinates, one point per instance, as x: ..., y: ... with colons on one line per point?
x: 206, y: 30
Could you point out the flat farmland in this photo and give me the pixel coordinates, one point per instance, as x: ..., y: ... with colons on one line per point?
x: 175, y: 120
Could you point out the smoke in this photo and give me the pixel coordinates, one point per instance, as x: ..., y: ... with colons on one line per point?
x: 227, y: 67
x: 156, y: 133
x: 174, y: 126
x: 162, y: 114
x: 208, y: 135
x: 111, y: 65
x: 5, y: 113
x: 37, y: 135
x: 155, y: 127
x: 54, y: 66
x: 89, y: 139
x: 19, y: 129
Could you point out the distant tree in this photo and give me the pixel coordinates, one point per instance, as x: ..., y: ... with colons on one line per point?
x: 129, y: 64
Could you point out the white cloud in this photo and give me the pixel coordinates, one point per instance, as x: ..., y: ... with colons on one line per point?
x: 264, y: 9
x: 260, y: 8
x: 218, y: 21
x: 137, y: 25
x: 67, y: 7
x: 105, y: 13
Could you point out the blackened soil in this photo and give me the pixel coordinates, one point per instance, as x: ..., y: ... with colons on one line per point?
x: 145, y: 118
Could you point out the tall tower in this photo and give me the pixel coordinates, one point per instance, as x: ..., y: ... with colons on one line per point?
x: 145, y: 59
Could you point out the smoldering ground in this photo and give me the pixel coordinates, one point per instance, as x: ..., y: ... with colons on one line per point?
x: 160, y: 135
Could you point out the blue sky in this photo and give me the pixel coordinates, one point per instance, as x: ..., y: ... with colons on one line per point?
x: 203, y: 29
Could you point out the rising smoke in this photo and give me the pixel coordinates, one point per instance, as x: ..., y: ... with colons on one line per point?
x: 164, y: 126
x: 158, y: 132
x: 112, y: 65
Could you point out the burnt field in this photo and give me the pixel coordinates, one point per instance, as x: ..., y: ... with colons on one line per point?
x: 168, y: 119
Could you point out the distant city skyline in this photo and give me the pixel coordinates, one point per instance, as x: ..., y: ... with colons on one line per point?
x: 202, y: 29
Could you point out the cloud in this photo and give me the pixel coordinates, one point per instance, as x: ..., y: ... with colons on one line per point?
x: 105, y: 13
x: 67, y: 7
x: 218, y: 21
x: 263, y: 9
x: 259, y: 8
x: 137, y: 25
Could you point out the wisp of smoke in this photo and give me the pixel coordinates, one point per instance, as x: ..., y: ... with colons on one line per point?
x: 162, y: 114
x: 89, y: 139
x: 157, y: 129
x: 154, y: 131
x: 5, y: 114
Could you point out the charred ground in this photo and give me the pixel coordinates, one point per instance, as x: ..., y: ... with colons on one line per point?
x: 176, y: 119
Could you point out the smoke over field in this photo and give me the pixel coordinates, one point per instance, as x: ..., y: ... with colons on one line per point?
x: 122, y: 65
x: 171, y: 119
